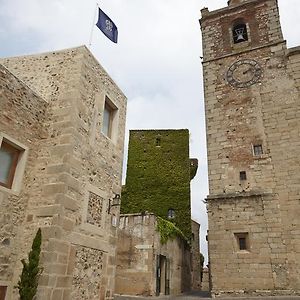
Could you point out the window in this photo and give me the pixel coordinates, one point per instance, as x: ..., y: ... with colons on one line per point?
x: 9, y: 156
x: 242, y: 241
x: 12, y: 163
x: 239, y: 32
x: 108, y: 118
x: 2, y: 292
x: 171, y: 213
x: 257, y: 150
x: 243, y: 175
x: 158, y: 140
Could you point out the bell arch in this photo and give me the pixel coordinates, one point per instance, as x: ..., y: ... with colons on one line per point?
x: 239, y: 31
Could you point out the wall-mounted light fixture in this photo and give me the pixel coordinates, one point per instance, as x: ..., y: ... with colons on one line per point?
x: 115, y: 201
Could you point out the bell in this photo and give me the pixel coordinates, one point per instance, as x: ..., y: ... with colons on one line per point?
x: 240, y: 35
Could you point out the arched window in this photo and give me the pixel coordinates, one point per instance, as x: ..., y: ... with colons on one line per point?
x: 171, y: 213
x: 239, y: 32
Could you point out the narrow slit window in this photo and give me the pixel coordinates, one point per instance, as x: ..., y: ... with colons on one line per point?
x: 108, y: 118
x: 242, y: 243
x: 242, y: 240
x: 257, y: 150
x: 243, y: 175
x: 9, y: 156
x: 158, y: 140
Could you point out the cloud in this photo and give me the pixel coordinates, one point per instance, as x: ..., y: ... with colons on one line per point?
x: 156, y: 61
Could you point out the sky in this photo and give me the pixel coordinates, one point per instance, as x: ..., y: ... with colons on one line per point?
x: 156, y: 61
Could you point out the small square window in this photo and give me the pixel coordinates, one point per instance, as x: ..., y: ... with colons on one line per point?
x: 108, y: 118
x: 257, y: 150
x: 242, y: 241
x: 9, y: 157
x: 243, y: 175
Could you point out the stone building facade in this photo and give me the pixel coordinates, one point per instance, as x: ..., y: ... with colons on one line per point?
x: 145, y: 265
x: 63, y: 119
x: 252, y: 83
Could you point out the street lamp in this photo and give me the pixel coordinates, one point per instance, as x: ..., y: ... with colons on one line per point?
x: 115, y: 201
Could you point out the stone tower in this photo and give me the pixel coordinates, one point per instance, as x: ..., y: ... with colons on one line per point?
x: 158, y: 178
x: 251, y: 83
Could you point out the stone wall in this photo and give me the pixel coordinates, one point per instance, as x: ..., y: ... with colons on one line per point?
x: 262, y: 21
x: 205, y: 280
x: 77, y: 166
x: 22, y: 115
x: 88, y: 262
x: 195, y: 243
x: 137, y: 256
x: 263, y: 206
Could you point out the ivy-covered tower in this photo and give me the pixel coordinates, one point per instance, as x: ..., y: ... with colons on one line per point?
x: 159, y: 172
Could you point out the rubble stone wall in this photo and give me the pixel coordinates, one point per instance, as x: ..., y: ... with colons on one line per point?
x: 22, y: 114
x: 138, y: 248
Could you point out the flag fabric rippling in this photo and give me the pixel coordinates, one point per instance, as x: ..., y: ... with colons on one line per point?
x: 107, y: 26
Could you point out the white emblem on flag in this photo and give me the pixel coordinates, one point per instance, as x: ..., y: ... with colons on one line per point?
x: 109, y: 25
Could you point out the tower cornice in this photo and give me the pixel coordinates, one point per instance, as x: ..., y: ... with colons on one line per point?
x: 206, y: 14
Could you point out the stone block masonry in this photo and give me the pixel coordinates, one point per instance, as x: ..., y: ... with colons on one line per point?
x: 23, y: 112
x: 71, y: 165
x: 253, y: 130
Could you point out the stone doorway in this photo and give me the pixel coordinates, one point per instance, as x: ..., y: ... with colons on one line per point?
x: 162, y: 275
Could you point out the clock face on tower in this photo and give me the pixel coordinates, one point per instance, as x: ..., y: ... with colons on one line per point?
x: 244, y: 73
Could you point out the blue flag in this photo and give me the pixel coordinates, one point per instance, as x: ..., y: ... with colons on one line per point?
x: 107, y: 26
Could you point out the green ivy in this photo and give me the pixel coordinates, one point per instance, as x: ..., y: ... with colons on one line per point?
x: 193, y: 168
x: 168, y: 231
x: 158, y: 175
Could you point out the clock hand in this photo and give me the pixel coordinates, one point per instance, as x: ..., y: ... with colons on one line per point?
x: 247, y: 71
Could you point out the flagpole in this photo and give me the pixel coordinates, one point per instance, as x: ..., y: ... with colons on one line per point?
x: 93, y: 25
